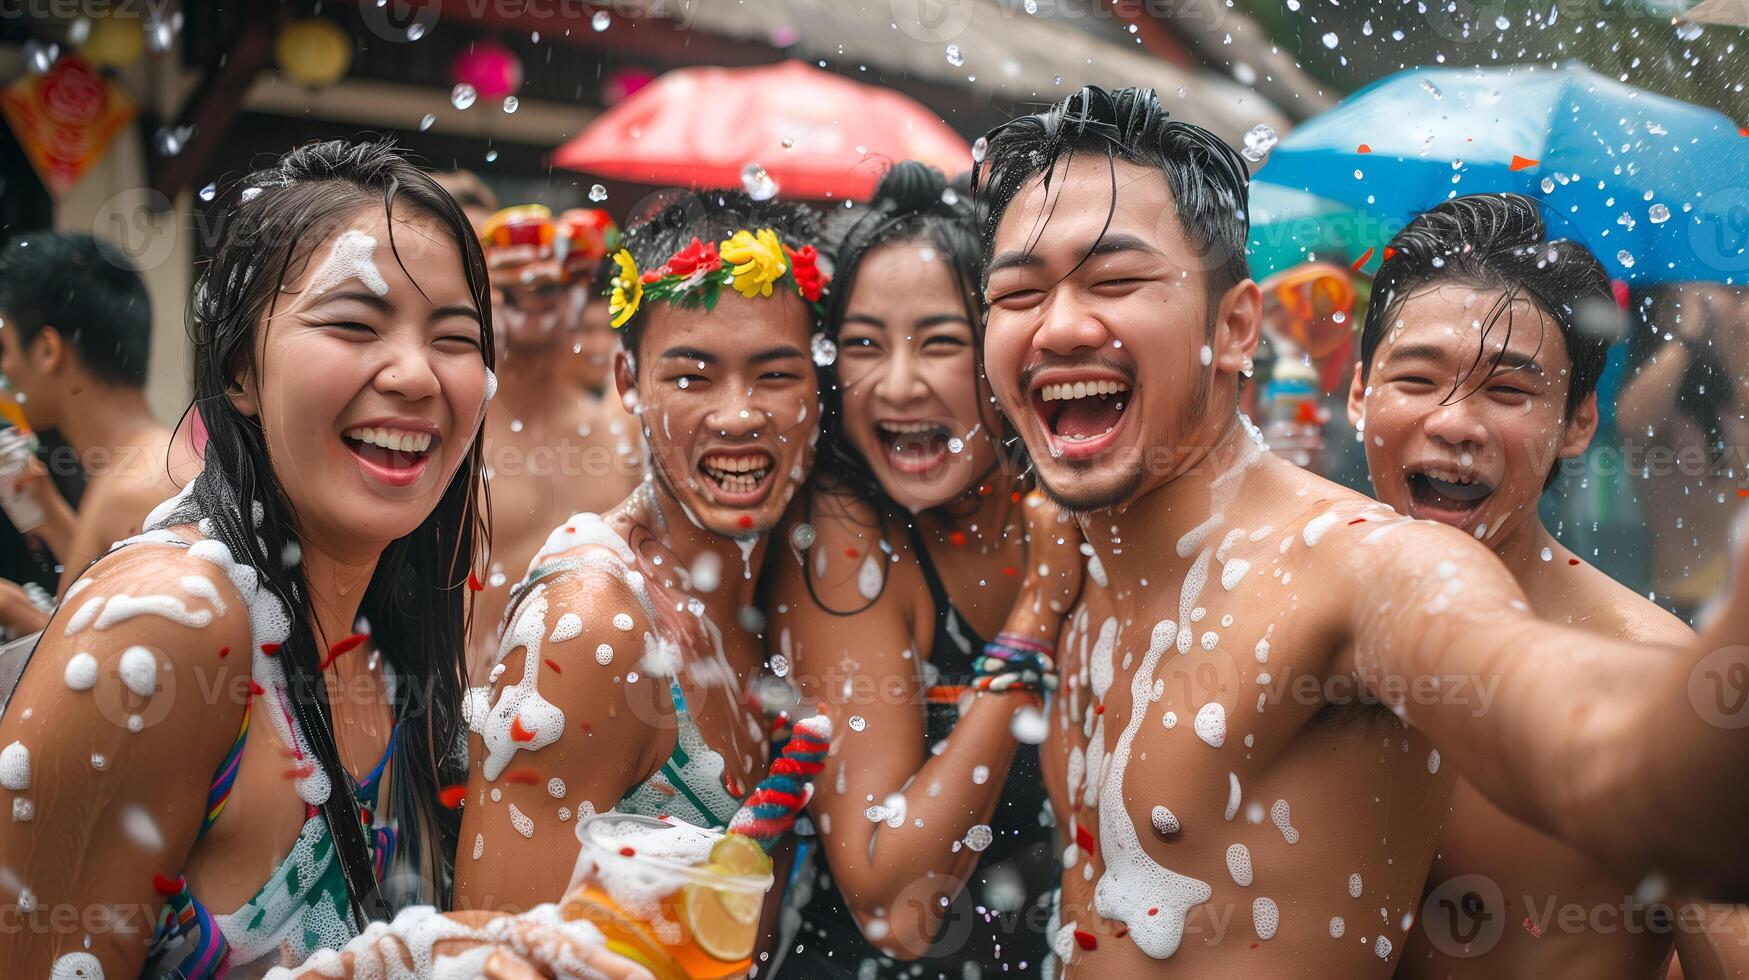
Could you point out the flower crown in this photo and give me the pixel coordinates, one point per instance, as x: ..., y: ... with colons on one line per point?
x: 747, y: 261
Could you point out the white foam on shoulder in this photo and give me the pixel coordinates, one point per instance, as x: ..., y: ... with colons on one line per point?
x: 521, y: 719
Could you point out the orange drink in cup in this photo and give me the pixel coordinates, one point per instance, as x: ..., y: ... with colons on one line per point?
x: 681, y: 900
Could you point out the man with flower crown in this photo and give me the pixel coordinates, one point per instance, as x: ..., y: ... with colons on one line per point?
x: 630, y: 673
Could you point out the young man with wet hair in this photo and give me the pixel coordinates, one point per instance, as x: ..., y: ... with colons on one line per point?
x: 75, y: 339
x: 1477, y: 378
x: 626, y: 677
x: 1262, y: 678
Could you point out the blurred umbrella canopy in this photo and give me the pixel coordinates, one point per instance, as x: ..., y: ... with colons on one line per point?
x: 815, y: 134
x: 1657, y: 188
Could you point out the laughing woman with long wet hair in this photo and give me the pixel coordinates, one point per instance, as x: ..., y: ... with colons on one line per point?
x: 229, y: 746
x: 916, y: 543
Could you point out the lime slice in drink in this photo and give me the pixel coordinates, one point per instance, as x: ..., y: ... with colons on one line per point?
x: 725, y: 921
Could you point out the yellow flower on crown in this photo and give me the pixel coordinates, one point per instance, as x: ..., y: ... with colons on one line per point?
x: 757, y: 261
x: 628, y: 290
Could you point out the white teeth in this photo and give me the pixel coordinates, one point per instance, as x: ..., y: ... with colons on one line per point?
x: 399, y: 440
x: 906, y: 428
x: 1081, y: 389
x: 724, y: 465
x: 1446, y: 476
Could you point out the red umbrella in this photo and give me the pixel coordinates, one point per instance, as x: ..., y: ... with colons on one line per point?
x: 815, y: 133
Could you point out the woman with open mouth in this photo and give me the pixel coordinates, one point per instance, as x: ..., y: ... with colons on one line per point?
x: 241, y: 722
x: 917, y: 542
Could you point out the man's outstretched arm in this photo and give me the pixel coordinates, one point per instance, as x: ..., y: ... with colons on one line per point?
x: 1593, y: 740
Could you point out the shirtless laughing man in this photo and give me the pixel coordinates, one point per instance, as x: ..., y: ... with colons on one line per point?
x: 1237, y: 799
x: 1474, y: 384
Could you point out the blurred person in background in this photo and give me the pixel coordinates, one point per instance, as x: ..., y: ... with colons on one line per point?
x: 1684, y: 434
x: 477, y: 200
x: 550, y: 453
x: 1310, y: 314
x: 1477, y: 377
x: 75, y: 337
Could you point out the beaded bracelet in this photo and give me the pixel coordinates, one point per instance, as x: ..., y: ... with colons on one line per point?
x: 1015, y: 662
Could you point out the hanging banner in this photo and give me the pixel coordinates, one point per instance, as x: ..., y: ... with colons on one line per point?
x: 65, y: 119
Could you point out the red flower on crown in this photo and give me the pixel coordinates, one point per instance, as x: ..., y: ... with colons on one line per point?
x: 807, y: 273
x: 697, y: 256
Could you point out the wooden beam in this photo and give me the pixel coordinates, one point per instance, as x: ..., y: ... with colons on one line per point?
x: 213, y: 107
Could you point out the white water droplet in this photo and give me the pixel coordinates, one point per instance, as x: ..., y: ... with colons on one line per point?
x: 463, y: 96
x: 511, y: 104
x: 858, y: 723
x: 597, y: 193
x: 1626, y: 258
x: 1658, y: 213
x: 1330, y: 40
x: 955, y: 57
x: 757, y: 183
x: 1259, y: 139
x: 600, y: 21
x: 427, y: 121
x: 979, y: 149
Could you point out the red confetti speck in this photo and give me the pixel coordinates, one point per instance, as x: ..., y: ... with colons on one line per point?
x: 526, y: 777
x: 256, y: 690
x: 1743, y: 492
x: 986, y: 490
x: 570, y: 530
x: 1256, y: 945
x: 1364, y: 256
x: 1363, y: 148
x: 1521, y: 163
x: 1099, y: 709
x: 224, y: 652
x: 1619, y: 290
x: 452, y: 796
x: 1122, y: 931
x: 519, y: 733
x: 744, y: 522
x: 731, y: 785
x: 588, y: 729
x: 474, y: 584
x: 345, y: 646
x: 271, y: 649
x: 300, y: 772
x: 1743, y: 130
x: 626, y: 852
x: 1014, y: 498
x: 1357, y: 520
x: 1535, y: 930
x: 1307, y: 413
x: 166, y: 886
x: 554, y: 666
x: 1009, y: 570
x: 1389, y: 251
x: 1154, y: 911
x: 1084, y: 838
x: 851, y: 552
x: 956, y: 537
x: 1086, y: 940
x: 1572, y: 561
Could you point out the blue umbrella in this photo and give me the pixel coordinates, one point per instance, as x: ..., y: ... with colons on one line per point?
x: 1657, y: 188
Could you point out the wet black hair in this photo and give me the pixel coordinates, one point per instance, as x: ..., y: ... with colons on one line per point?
x: 672, y: 219
x: 89, y: 291
x: 1208, y: 180
x: 913, y: 203
x: 1498, y: 242
x: 417, y: 603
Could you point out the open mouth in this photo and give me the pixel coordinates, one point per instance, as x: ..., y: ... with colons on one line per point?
x: 394, y: 456
x: 1449, y: 496
x: 913, y: 447
x: 1082, y: 416
x: 739, y: 477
